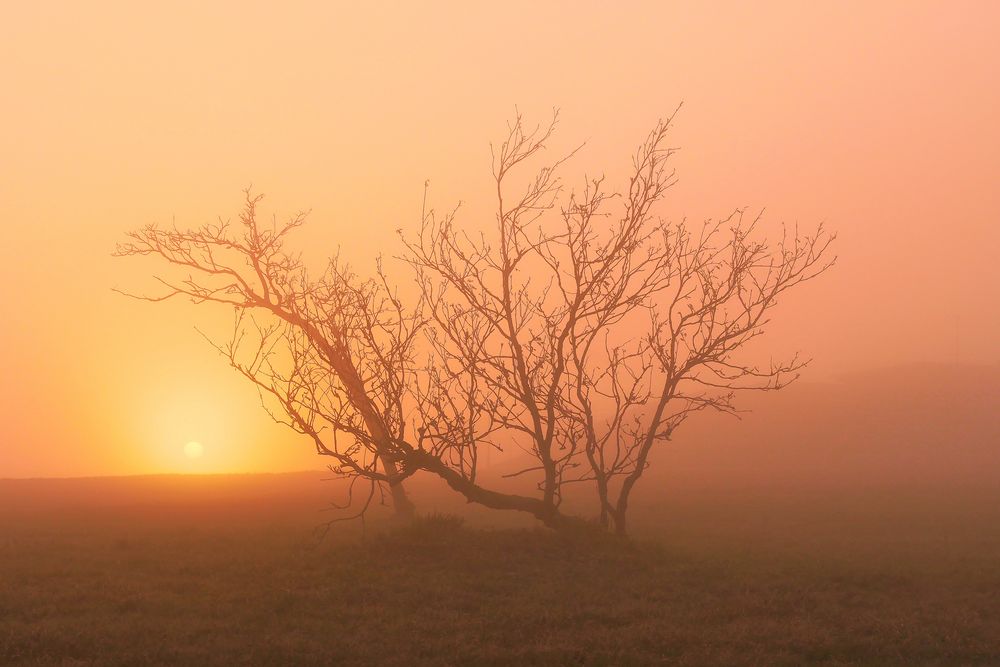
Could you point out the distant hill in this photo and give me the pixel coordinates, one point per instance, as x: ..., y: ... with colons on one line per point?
x: 916, y: 424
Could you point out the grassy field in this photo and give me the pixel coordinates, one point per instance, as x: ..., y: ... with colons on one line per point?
x: 231, y: 571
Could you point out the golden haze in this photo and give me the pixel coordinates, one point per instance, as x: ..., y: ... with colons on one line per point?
x: 876, y: 117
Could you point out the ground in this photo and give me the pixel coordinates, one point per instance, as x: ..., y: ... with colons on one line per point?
x: 242, y: 577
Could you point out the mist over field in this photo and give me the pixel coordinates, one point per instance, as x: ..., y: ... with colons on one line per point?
x: 855, y: 521
x: 507, y: 333
x: 924, y: 430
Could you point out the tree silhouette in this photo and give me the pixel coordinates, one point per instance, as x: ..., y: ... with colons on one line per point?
x: 584, y: 329
x: 340, y: 376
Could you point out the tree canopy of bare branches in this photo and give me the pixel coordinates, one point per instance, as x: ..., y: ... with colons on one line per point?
x: 583, y: 329
x: 333, y: 352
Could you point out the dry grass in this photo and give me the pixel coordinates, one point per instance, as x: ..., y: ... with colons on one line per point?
x: 752, y: 582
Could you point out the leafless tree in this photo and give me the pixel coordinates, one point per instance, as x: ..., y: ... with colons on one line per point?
x: 583, y: 329
x: 586, y: 329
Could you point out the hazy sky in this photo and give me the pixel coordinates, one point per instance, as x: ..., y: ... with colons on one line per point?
x: 878, y: 117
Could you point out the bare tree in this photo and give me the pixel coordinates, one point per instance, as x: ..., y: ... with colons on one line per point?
x: 583, y: 329
x: 334, y: 352
x: 585, y: 332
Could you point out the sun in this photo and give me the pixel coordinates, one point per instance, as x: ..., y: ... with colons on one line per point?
x: 193, y: 450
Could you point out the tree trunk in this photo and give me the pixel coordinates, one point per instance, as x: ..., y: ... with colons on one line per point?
x: 401, y: 502
x: 545, y: 512
x: 620, y: 527
x: 344, y: 369
x: 602, y: 495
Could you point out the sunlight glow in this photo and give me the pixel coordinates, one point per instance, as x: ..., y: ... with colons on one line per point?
x: 193, y: 450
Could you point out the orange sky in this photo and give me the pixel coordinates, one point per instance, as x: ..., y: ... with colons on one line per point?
x: 878, y: 117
